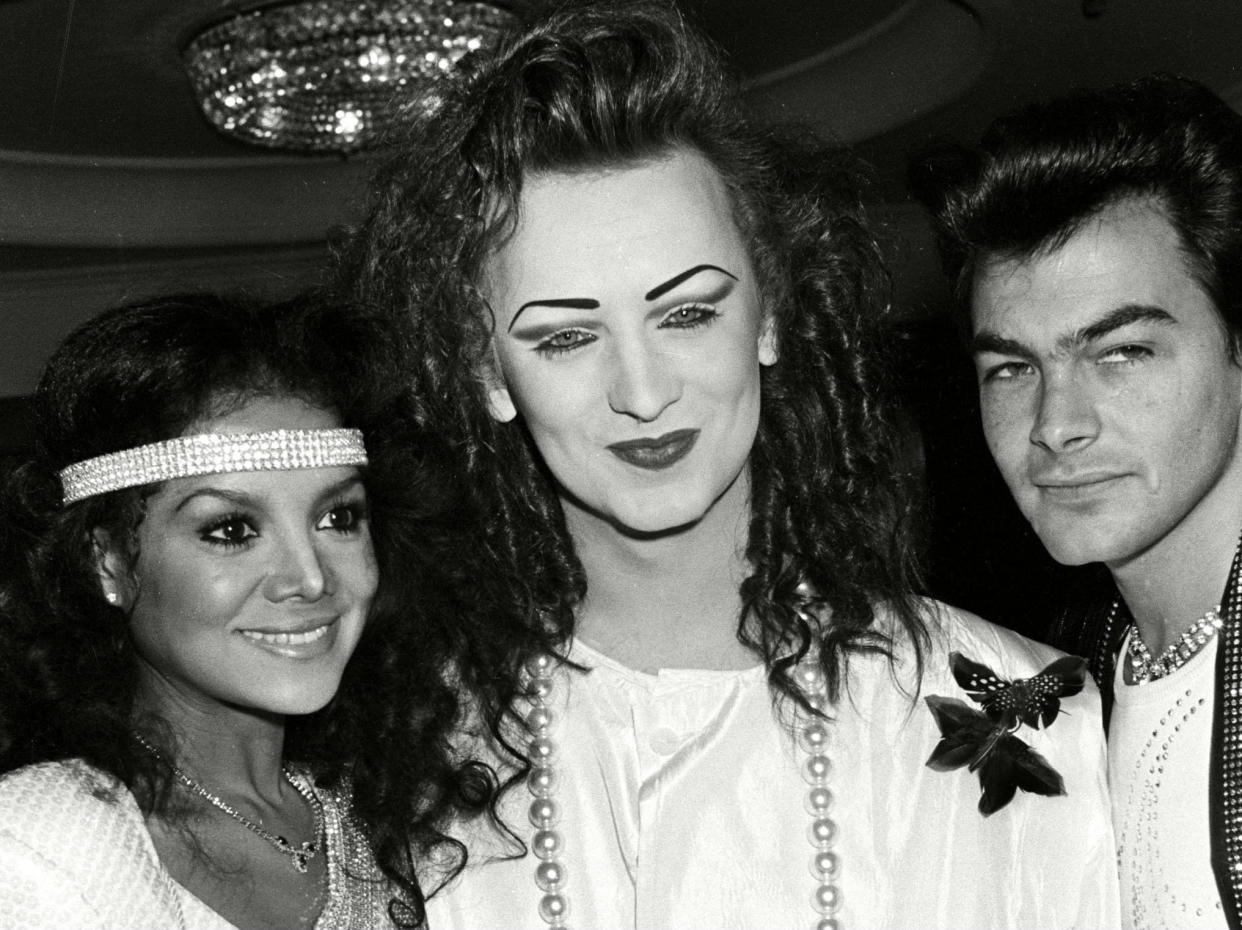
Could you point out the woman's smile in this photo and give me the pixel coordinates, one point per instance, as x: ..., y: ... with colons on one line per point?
x: 305, y: 641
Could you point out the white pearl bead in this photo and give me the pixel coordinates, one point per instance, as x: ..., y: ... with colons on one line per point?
x: 811, y: 677
x: 822, y: 833
x: 539, y: 719
x: 818, y: 800
x: 817, y: 769
x: 828, y: 923
x: 553, y: 908
x: 543, y: 812
x: 825, y: 865
x: 541, y: 750
x: 541, y: 781
x: 813, y: 737
x: 539, y: 689
x: 826, y: 900
x: 538, y: 666
x: 550, y: 875
x: 545, y: 844
x: 817, y: 700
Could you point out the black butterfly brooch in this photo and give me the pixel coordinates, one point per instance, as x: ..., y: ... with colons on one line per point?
x: 984, y: 739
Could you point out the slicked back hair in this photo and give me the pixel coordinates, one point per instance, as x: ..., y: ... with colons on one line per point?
x: 1042, y: 172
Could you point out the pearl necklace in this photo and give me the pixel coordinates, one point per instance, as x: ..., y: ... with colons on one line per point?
x: 547, y: 844
x: 300, y: 855
x: 1143, y: 668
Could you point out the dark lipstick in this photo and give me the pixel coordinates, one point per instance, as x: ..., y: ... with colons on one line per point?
x: 658, y: 453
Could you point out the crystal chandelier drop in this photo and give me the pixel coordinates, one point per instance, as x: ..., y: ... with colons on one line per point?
x: 325, y: 75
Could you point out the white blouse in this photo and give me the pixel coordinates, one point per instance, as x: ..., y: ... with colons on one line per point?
x: 682, y: 806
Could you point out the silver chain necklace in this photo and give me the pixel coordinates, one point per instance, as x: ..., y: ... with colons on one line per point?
x: 300, y: 855
x: 547, y: 844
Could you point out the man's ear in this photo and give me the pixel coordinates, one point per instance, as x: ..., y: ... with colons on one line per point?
x: 768, y: 353
x: 111, y: 569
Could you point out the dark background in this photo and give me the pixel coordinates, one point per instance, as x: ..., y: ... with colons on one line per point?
x: 114, y: 187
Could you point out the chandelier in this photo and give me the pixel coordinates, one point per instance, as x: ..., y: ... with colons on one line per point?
x: 328, y: 75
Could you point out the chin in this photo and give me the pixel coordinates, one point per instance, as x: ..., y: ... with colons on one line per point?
x: 300, y: 698
x: 666, y: 513
x: 1081, y: 543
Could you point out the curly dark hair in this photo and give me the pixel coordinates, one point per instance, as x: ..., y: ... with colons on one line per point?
x: 68, y: 671
x: 601, y: 85
x: 1040, y: 173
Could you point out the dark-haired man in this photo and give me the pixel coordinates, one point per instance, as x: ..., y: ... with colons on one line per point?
x: 1097, y: 242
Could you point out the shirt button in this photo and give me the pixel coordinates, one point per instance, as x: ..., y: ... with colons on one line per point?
x: 664, y: 741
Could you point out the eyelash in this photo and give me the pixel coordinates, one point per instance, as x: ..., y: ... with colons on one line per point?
x: 1131, y: 354
x: 547, y: 348
x: 1005, y: 371
x: 705, y: 315
x: 357, y: 510
x: 217, y: 525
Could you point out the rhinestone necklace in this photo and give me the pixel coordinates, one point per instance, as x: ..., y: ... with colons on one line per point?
x: 1143, y: 668
x: 300, y: 855
x: 547, y: 844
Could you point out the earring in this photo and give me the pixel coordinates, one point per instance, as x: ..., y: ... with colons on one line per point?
x: 500, y: 404
x: 112, y: 598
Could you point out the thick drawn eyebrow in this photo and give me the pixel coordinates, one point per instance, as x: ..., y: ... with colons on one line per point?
x: 572, y: 303
x: 1125, y: 315
x: 590, y: 303
x: 661, y: 289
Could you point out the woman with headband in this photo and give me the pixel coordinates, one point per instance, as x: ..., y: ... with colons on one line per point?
x: 694, y: 651
x: 215, y: 703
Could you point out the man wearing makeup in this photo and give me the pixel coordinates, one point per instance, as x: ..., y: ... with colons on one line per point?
x: 1096, y: 242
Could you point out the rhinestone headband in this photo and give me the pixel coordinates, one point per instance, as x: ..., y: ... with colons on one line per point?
x: 211, y: 454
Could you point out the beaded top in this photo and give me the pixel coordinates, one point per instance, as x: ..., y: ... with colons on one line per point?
x: 210, y: 454
x: 75, y: 852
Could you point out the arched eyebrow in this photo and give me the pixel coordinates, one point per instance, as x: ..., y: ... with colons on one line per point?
x: 590, y: 303
x: 573, y: 303
x: 661, y: 289
x: 242, y: 498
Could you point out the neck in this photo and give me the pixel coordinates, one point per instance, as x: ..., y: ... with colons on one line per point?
x: 669, y: 600
x: 1177, y: 580
x: 225, y: 748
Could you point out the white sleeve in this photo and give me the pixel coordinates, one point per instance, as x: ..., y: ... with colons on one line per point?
x: 37, y: 894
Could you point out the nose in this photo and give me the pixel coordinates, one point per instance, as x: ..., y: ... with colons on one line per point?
x: 642, y: 382
x: 298, y: 570
x: 1066, y: 417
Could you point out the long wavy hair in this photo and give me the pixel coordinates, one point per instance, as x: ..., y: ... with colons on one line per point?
x: 609, y: 85
x: 68, y: 670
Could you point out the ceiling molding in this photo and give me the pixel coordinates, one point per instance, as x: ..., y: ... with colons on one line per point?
x: 132, y: 203
x: 921, y: 57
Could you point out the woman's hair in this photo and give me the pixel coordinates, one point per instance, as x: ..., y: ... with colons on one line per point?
x: 599, y: 86
x: 68, y: 671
